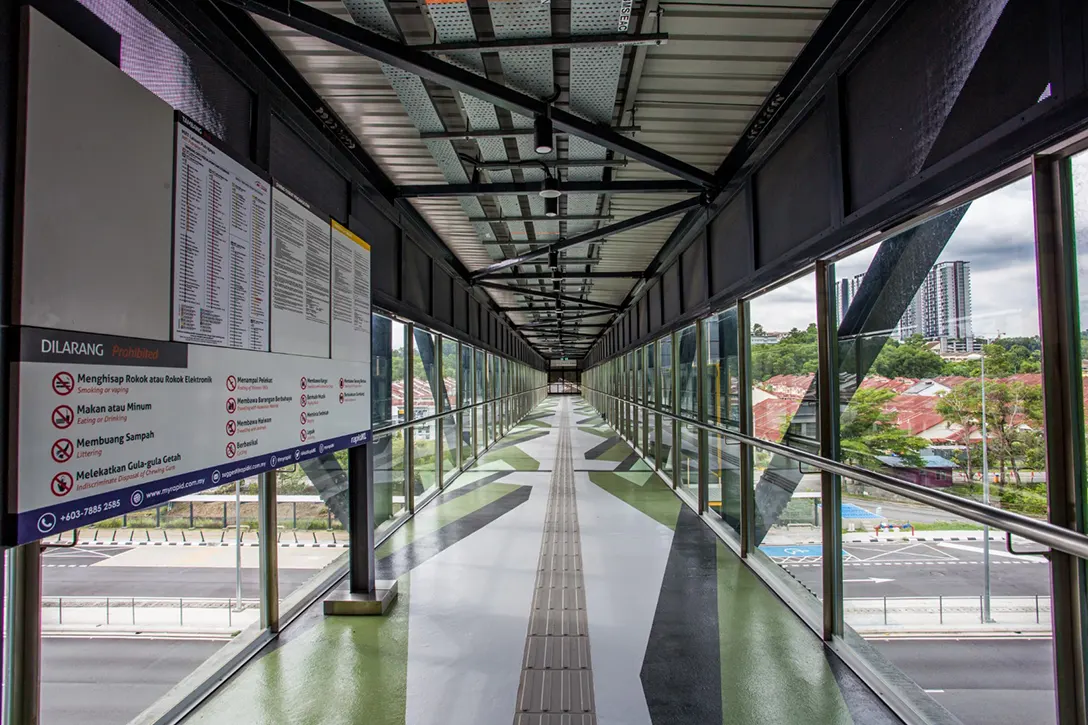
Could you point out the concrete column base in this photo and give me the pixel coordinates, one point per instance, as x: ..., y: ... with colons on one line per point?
x: 341, y: 603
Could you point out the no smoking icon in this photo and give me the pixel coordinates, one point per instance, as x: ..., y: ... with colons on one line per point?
x: 63, y: 416
x: 302, y: 399
x: 302, y: 384
x: 231, y: 450
x: 232, y: 405
x: 62, y: 450
x: 232, y: 427
x: 62, y: 484
x: 63, y: 383
x: 232, y: 383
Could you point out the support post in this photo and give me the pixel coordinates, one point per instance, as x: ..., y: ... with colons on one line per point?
x: 409, y: 415
x: 704, y: 437
x: 269, y: 551
x: 366, y: 595
x: 1063, y: 411
x: 830, y: 492
x: 744, y: 399
x: 22, y: 645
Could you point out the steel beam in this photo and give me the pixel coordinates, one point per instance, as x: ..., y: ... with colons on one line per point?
x: 554, y: 164
x: 531, y: 219
x: 549, y: 42
x: 300, y: 16
x: 638, y: 186
x: 500, y: 133
x: 591, y: 236
x: 548, y: 295
x: 542, y: 307
x: 568, y: 275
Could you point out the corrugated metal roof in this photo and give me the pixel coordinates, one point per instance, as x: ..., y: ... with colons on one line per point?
x: 692, y: 99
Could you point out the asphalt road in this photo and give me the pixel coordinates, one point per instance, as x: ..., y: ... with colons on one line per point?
x: 100, y: 681
x: 922, y: 569
x: 69, y: 573
x: 982, y: 682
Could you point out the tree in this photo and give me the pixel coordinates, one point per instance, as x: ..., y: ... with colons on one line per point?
x: 912, y: 359
x: 795, y: 354
x: 757, y: 330
x: 867, y: 431
x: 962, y: 406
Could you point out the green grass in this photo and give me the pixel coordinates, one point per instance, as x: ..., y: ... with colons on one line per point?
x: 947, y: 526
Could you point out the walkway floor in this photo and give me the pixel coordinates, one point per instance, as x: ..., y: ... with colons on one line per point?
x: 558, y: 574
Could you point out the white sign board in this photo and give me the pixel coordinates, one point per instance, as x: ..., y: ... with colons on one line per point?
x: 350, y: 295
x: 301, y: 276
x: 221, y: 243
x: 109, y: 425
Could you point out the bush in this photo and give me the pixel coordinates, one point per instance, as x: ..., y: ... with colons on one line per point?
x: 1029, y: 500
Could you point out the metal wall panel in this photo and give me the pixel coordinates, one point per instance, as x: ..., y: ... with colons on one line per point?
x: 653, y: 301
x: 693, y: 274
x: 460, y: 308
x: 415, y: 277
x: 298, y: 167
x: 473, y: 318
x: 670, y: 293
x: 957, y: 69
x: 643, y: 317
x: 731, y: 257
x: 793, y: 190
x: 441, y: 295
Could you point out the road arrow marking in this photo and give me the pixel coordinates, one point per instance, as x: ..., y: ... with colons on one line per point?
x: 873, y: 579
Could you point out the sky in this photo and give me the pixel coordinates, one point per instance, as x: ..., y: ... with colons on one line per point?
x: 996, y: 236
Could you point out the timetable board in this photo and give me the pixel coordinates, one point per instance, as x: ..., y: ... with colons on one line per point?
x: 221, y: 245
x: 350, y: 295
x: 301, y: 276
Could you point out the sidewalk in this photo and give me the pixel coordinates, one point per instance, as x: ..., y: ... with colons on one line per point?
x: 104, y: 616
x: 811, y: 535
x: 916, y: 615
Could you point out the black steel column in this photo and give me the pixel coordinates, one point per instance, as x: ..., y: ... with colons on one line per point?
x: 361, y: 564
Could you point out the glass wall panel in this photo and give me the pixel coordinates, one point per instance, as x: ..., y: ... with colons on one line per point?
x: 665, y: 453
x: 466, y: 436
x: 664, y: 351
x: 481, y: 375
x: 467, y: 387
x: 722, y: 387
x: 688, y: 461
x: 723, y: 482
x: 687, y: 371
x: 481, y: 428
x: 784, y: 362
x: 387, y: 338
x: 450, y: 363
x: 390, y: 489
x: 964, y: 317
x: 651, y: 373
x: 450, y: 435
x: 425, y: 374
x: 424, y: 458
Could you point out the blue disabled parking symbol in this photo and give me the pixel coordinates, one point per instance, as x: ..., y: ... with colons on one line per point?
x: 46, y: 522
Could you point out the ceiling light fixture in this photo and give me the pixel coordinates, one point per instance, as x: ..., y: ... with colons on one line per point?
x: 543, y: 134
x: 550, y: 188
x: 551, y: 206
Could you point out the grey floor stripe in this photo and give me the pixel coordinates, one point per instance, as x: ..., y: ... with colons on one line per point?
x: 557, y: 677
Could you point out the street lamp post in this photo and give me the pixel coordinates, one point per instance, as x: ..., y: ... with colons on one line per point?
x: 985, y: 498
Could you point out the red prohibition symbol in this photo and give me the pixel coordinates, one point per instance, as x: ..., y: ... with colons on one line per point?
x: 62, y: 450
x: 302, y: 436
x: 63, y: 383
x: 232, y: 427
x: 302, y: 384
x: 302, y: 399
x: 341, y: 383
x: 231, y: 450
x: 62, y: 484
x: 302, y: 417
x: 341, y: 397
x: 232, y: 405
x: 63, y: 416
x: 232, y: 383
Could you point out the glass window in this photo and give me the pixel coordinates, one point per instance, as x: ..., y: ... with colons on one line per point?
x: 450, y: 435
x: 639, y: 375
x: 481, y: 428
x: 688, y: 463
x: 784, y: 361
x: 665, y: 452
x: 664, y: 351
x: 722, y: 387
x: 424, y: 459
x: 396, y: 346
x: 467, y: 386
x: 390, y: 489
x: 651, y: 373
x: 687, y: 371
x: 481, y: 373
x: 425, y: 387
x: 450, y: 362
x: 493, y: 376
x: 384, y: 369
x: 466, y: 436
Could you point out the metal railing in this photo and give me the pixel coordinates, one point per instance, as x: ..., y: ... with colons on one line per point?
x: 1040, y: 532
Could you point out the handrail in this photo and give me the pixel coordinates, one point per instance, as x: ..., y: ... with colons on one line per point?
x: 1041, y: 532
x: 452, y: 411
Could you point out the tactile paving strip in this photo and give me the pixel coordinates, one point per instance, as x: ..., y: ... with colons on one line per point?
x: 556, y: 677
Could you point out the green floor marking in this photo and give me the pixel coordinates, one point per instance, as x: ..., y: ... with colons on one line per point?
x: 343, y: 671
x: 513, y: 458
x: 595, y: 431
x: 639, y: 478
x: 617, y: 453
x: 773, y: 667
x: 652, y: 498
x: 434, y: 517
